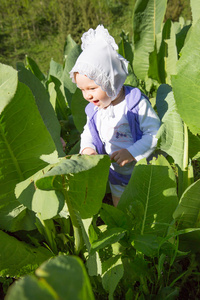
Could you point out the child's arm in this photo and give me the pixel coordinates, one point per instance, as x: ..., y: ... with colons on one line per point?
x: 86, y: 146
x: 149, y: 125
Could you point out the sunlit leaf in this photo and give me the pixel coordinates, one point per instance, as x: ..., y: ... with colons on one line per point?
x: 167, y: 53
x: 78, y: 105
x: 69, y: 44
x: 108, y: 237
x: 113, y: 273
x: 19, y: 258
x: 186, y: 84
x: 187, y: 212
x: 155, y: 196
x: 171, y: 133
x: 147, y: 23
x: 82, y: 179
x: 63, y: 277
x: 32, y: 65
x: 23, y: 139
x: 44, y: 106
x: 195, y: 10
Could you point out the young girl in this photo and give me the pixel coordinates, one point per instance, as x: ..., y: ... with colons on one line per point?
x: 120, y: 119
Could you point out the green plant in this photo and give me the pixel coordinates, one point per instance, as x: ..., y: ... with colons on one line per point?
x: 49, y: 278
x: 147, y: 247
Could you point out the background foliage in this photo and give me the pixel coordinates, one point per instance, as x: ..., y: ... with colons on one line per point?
x: 38, y: 28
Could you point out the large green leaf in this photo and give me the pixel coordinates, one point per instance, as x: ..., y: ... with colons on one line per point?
x: 61, y: 106
x: 8, y: 85
x: 23, y: 139
x: 195, y: 10
x: 64, y: 82
x: 69, y: 45
x: 107, y: 238
x: 135, y: 269
x: 47, y: 203
x: 55, y: 70
x: 59, y: 103
x: 32, y: 65
x: 70, y: 87
x: 171, y: 133
x: 187, y: 212
x: 194, y: 146
x: 152, y: 200
x: 82, y: 179
x: 186, y: 84
x: 148, y: 244
x: 154, y: 66
x: 125, y: 48
x: 114, y: 217
x: 29, y: 288
x: 52, y: 94
x: 186, y: 216
x: 19, y: 258
x: 167, y: 56
x: 44, y: 106
x: 93, y: 262
x: 78, y: 105
x: 63, y: 277
x: 147, y: 23
x: 181, y: 36
x: 113, y: 273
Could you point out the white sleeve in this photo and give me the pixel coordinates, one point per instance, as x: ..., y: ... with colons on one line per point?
x: 86, y: 138
x: 149, y: 124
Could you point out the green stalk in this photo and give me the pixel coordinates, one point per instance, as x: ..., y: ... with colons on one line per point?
x: 144, y: 285
x: 78, y: 240
x: 47, y: 229
x: 185, y: 175
x: 176, y: 279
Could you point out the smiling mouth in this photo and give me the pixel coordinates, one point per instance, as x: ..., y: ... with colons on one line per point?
x: 95, y: 101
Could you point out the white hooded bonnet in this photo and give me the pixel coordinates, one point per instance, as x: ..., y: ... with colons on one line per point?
x: 100, y: 61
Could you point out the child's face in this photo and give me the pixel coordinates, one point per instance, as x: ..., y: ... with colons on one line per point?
x: 91, y: 91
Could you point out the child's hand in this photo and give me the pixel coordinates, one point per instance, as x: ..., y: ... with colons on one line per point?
x: 89, y: 151
x: 122, y: 157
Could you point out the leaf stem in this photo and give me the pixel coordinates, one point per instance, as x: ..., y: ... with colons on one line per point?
x: 76, y: 227
x: 185, y: 175
x: 47, y: 229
